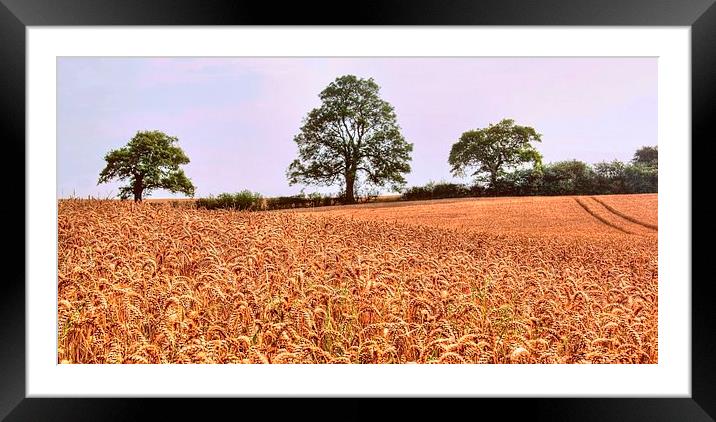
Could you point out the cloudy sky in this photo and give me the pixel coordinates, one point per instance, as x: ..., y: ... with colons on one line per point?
x: 236, y: 117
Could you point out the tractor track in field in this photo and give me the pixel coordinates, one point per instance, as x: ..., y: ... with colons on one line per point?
x: 600, y: 218
x: 625, y: 216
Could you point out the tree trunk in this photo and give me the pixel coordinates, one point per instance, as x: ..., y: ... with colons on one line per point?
x: 350, y: 186
x: 137, y: 190
x: 493, y: 180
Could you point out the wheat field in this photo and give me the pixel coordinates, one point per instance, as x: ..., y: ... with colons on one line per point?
x: 490, y: 280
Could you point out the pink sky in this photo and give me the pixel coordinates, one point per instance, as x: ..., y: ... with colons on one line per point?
x: 236, y: 117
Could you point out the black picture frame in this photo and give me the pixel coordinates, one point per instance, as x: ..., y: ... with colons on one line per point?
x: 16, y: 15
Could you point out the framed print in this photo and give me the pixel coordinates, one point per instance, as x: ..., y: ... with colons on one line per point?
x: 434, y: 201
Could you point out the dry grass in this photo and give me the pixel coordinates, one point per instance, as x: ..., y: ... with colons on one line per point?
x: 519, y: 280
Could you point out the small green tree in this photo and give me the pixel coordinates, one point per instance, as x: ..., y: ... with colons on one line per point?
x: 353, y: 133
x: 571, y: 177
x: 648, y: 156
x: 492, y: 150
x: 641, y: 178
x: 642, y: 174
x: 149, y: 161
x: 610, y: 177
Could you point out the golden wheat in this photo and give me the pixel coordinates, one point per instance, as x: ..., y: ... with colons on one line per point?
x: 516, y: 280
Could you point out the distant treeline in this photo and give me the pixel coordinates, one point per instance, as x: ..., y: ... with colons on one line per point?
x: 560, y: 178
x: 571, y: 177
x: 254, y: 201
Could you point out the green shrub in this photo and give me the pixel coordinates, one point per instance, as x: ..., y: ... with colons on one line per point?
x: 300, y: 201
x: 450, y: 190
x: 417, y: 192
x: 437, y: 191
x: 244, y: 200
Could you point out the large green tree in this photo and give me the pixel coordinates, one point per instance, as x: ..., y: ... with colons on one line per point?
x: 353, y: 134
x: 494, y: 149
x: 149, y: 161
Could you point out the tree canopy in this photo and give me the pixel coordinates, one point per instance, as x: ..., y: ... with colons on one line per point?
x: 568, y: 176
x: 493, y: 150
x: 352, y: 136
x: 648, y: 156
x: 149, y: 161
x: 610, y: 176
